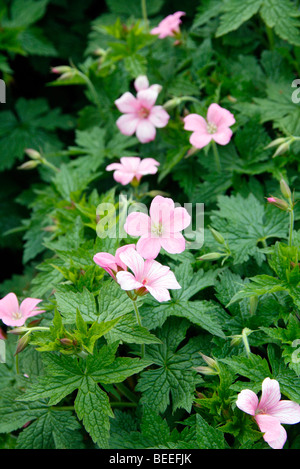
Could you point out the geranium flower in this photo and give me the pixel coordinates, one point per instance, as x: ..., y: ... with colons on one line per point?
x: 14, y: 315
x: 169, y: 26
x: 159, y: 230
x: 147, y: 276
x: 141, y: 115
x: 132, y: 168
x: 270, y: 412
x: 215, y: 127
x: 112, y: 264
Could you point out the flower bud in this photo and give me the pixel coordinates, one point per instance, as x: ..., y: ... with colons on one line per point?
x: 33, y: 154
x: 218, y: 237
x: 283, y: 148
x: 285, y: 190
x: 279, y: 203
x: 206, y: 370
x: 22, y: 343
x: 18, y: 330
x: 2, y: 334
x: 29, y: 164
x: 61, y: 69
x: 212, y: 256
x: 67, y: 342
x: 172, y: 103
x: 276, y: 142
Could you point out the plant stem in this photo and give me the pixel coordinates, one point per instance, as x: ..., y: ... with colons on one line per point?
x: 50, y: 165
x: 246, y: 343
x: 144, y: 12
x: 216, y: 155
x: 127, y: 393
x: 123, y: 404
x: 138, y: 318
x: 291, y: 227
x: 17, y: 364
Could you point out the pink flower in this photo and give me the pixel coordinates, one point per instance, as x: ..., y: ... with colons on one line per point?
x: 215, y: 127
x: 141, y: 116
x: 270, y: 412
x: 112, y: 264
x: 159, y: 230
x: 148, y: 276
x: 14, y: 315
x: 132, y: 168
x: 169, y: 26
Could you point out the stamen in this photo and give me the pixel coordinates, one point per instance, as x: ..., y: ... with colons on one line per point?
x: 211, y: 128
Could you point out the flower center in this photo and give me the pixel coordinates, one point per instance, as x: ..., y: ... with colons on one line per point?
x: 157, y: 229
x: 145, y: 281
x: 211, y: 128
x: 17, y: 315
x: 143, y: 113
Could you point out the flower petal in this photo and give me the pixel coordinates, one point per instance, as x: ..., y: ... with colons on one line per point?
x: 127, y: 281
x: 134, y: 261
x: 147, y: 98
x: 28, y: 307
x: 127, y: 103
x: 247, y: 401
x: 141, y: 83
x: 8, y: 305
x: 200, y: 140
x: 173, y: 244
x: 145, y: 131
x: 286, y: 412
x: 127, y: 124
x: 148, y: 166
x: 270, y: 395
x: 219, y: 116
x: 195, y: 123
x: 148, y: 246
x: 159, y: 117
x: 271, y: 428
x: 137, y: 224
x: 222, y: 137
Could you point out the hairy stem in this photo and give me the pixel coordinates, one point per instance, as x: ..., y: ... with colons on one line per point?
x: 216, y: 155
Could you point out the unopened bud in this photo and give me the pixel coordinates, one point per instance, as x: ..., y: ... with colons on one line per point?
x: 22, y: 343
x: 276, y: 142
x: 33, y: 154
x: 2, y: 334
x: 18, y: 330
x: 283, y: 148
x: 279, y: 203
x: 212, y: 256
x: 172, y: 103
x: 61, y: 69
x: 206, y: 370
x: 66, y: 341
x: 218, y: 237
x: 285, y: 190
x: 29, y: 164
x: 236, y: 340
x: 34, y: 323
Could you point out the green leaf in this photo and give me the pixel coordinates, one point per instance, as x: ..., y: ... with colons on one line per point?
x: 236, y: 13
x: 53, y: 429
x: 174, y: 377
